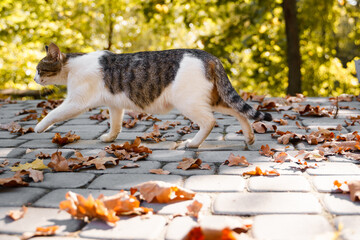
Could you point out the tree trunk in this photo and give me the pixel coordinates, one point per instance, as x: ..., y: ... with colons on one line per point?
x: 293, y: 47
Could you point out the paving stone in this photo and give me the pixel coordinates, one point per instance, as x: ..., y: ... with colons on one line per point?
x: 151, y: 227
x: 241, y: 137
x: 279, y: 184
x: 272, y: 144
x: 144, y: 167
x: 53, y: 198
x: 32, y: 154
x: 348, y: 227
x: 170, y: 155
x: 171, y: 167
x: 38, y: 136
x: 265, y: 203
x: 64, y: 180
x: 180, y: 226
x: 126, y: 181
x: 12, y: 152
x: 81, y: 121
x: 221, y: 156
x: 212, y: 137
x: 340, y: 204
x: 339, y: 158
x: 326, y: 183
x: 326, y: 168
x: 179, y: 207
x: 39, y: 144
x: 7, y: 135
x: 329, y: 127
x: 20, y: 196
x: 90, y: 144
x: 304, y: 146
x: 8, y: 143
x: 80, y: 128
x: 167, y: 145
x: 36, y: 217
x: 215, y: 183
x: 219, y: 145
x: 291, y: 227
x: 323, y: 122
x: 9, y: 237
x: 283, y: 169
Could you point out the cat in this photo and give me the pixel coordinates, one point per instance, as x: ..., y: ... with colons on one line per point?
x: 192, y: 81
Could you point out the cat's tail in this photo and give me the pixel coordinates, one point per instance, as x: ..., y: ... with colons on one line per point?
x: 230, y: 96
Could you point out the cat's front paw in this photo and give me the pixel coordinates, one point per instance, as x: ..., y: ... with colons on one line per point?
x: 39, y: 128
x: 107, y: 138
x: 250, y: 139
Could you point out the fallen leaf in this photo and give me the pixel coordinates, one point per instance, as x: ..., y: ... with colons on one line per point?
x: 236, y: 161
x: 266, y: 151
x: 13, y: 181
x: 41, y: 231
x: 167, y: 124
x: 342, y: 98
x: 296, y: 99
x: 259, y: 172
x: 129, y: 151
x: 281, y: 157
x: 130, y: 123
x: 159, y: 171
x: 4, y: 163
x: 267, y: 105
x: 36, y: 175
x: 281, y: 121
x: 26, y: 111
x: 31, y: 116
x: 14, y: 127
x: 68, y: 138
x: 59, y: 163
x: 42, y: 155
x: 184, y: 130
x: 354, y: 188
x: 42, y: 115
x: 100, y: 160
x: 310, y: 111
x: 292, y: 117
x: 191, y: 163
x: 17, y: 214
x: 101, y: 116
x: 194, y: 208
x: 342, y: 186
x: 162, y: 192
x: 199, y: 233
x: 130, y: 165
x: 303, y: 165
x: 37, y: 164
x: 261, y: 127
x: 154, y: 135
x: 50, y: 104
x: 301, y: 127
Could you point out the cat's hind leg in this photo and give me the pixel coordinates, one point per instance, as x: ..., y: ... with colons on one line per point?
x: 243, y: 120
x: 116, y: 118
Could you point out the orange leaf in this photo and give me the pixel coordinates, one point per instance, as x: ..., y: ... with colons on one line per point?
x: 265, y: 150
x: 68, y: 138
x: 162, y: 192
x: 17, y: 214
x: 259, y: 172
x: 194, y: 208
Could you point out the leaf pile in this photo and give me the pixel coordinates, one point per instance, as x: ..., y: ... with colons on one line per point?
x: 14, y: 127
x: 162, y: 192
x: 191, y: 163
x: 105, y: 208
x: 129, y: 151
x: 68, y: 138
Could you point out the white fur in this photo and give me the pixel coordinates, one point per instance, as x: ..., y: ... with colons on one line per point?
x: 189, y: 93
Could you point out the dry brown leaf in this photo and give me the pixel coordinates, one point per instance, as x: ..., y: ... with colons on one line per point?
x: 68, y: 138
x: 261, y: 127
x: 281, y: 157
x: 266, y: 151
x: 303, y: 165
x: 236, y: 161
x: 59, y: 163
x: 130, y: 123
x: 281, y: 121
x: 342, y: 98
x: 191, y: 163
x: 101, y: 116
x: 100, y: 160
x: 127, y: 151
x: 184, y: 130
x: 198, y: 233
x: 259, y: 172
x: 162, y: 192
x: 130, y: 165
x: 296, y: 99
x: 354, y: 188
x: 167, y: 124
x: 14, y: 127
x: 42, y: 115
x: 31, y: 116
x: 154, y: 135
x: 4, y: 163
x: 41, y: 231
x: 13, y: 181
x: 301, y: 127
x: 17, y: 214
x: 36, y: 175
x: 26, y: 111
x: 159, y: 171
x: 42, y: 155
x: 292, y: 117
x: 342, y: 186
x: 194, y: 208
x: 267, y: 105
x: 309, y: 110
x: 50, y: 104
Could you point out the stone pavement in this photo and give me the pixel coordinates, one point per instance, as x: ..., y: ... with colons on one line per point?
x: 294, y: 205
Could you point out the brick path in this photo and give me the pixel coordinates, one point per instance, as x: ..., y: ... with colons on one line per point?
x: 295, y: 205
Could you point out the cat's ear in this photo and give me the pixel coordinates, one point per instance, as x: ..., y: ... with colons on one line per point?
x: 54, y: 51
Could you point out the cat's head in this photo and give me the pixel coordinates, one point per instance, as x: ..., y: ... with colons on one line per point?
x: 50, y: 69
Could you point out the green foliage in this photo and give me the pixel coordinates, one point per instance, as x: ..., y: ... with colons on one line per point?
x: 247, y: 35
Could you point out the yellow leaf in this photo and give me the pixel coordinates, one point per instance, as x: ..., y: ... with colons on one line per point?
x: 37, y: 164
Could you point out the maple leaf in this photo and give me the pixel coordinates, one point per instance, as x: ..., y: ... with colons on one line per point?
x: 194, y: 208
x: 236, y: 161
x: 259, y: 172
x: 130, y: 123
x: 191, y: 163
x: 17, y: 214
x: 266, y: 151
x: 36, y: 175
x: 41, y: 231
x: 59, y: 163
x: 100, y: 161
x: 159, y: 171
x: 354, y: 188
x: 129, y: 151
x: 68, y: 138
x: 13, y: 181
x: 37, y: 164
x: 281, y: 121
x: 101, y: 116
x: 261, y: 127
x: 154, y: 135
x: 89, y: 208
x: 162, y: 192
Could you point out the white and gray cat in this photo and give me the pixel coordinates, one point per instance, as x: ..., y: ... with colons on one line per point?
x: 192, y: 81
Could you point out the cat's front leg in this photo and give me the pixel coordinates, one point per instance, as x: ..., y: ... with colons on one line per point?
x: 116, y: 118
x: 65, y: 111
